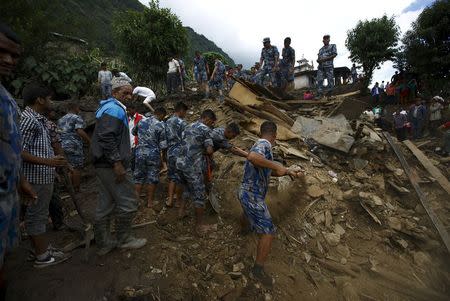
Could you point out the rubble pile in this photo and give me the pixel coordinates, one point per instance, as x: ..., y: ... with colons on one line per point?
x: 353, y: 229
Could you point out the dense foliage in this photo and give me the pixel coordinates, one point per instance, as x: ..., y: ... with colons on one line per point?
x: 371, y: 43
x: 148, y: 39
x: 211, y: 57
x: 426, y: 50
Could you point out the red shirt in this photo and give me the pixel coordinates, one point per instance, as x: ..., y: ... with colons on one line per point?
x: 136, y: 118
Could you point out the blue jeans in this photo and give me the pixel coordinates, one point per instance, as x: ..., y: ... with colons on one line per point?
x: 106, y: 90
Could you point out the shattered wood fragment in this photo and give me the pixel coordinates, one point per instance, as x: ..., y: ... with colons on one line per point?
x: 370, y: 212
x: 433, y: 170
x: 399, y: 189
x: 414, y: 182
x: 276, y: 112
x: 280, y: 104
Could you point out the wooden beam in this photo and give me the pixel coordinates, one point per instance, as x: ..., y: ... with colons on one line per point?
x: 275, y: 111
x: 433, y: 170
x: 279, y: 104
x: 423, y: 199
x: 261, y: 114
x: 307, y: 102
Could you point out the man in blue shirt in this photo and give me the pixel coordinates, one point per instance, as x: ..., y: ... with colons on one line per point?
x: 326, y: 68
x: 255, y: 183
x: 71, y: 128
x: 10, y: 148
x: 175, y: 126
x: 196, y: 142
x: 201, y: 70
x: 111, y: 155
x: 152, y: 145
x: 217, y: 78
x: 269, y: 56
x: 287, y: 64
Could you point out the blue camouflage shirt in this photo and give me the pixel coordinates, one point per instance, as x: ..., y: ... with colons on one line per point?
x: 200, y: 63
x: 327, y: 51
x: 288, y: 59
x: 219, y: 139
x: 220, y: 71
x: 70, y: 140
x: 196, y: 138
x: 10, y: 143
x: 174, y: 131
x: 269, y: 55
x: 256, y: 179
x: 151, y: 136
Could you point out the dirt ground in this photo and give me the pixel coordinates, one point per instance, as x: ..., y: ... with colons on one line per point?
x: 329, y: 244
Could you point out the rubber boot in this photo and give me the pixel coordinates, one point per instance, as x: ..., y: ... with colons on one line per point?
x: 123, y: 230
x: 102, y: 234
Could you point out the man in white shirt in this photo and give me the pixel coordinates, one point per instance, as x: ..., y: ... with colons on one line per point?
x: 104, y: 80
x: 117, y: 73
x: 147, y: 94
x: 172, y: 75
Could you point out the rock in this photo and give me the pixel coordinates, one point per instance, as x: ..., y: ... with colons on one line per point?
x: 332, y: 239
x: 361, y: 175
x: 343, y: 260
x: 349, y: 194
x: 235, y: 275
x: 267, y: 297
x: 319, y: 217
x: 377, y: 200
x: 339, y: 230
x: 394, y: 223
x: 343, y: 250
x: 310, y: 230
x: 238, y: 267
x: 307, y: 257
x: 419, y: 209
x: 360, y: 163
x: 355, y: 183
x: 328, y: 219
x: 346, y: 289
x: 421, y: 259
x: 398, y: 172
x: 314, y: 191
x: 402, y: 243
x: 218, y: 269
x: 378, y: 181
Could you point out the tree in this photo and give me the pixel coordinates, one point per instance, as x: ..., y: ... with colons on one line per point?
x: 211, y: 56
x: 427, y: 47
x: 148, y: 39
x: 371, y: 43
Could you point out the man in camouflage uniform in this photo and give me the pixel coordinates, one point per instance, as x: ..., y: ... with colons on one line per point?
x: 216, y: 80
x: 175, y: 126
x: 269, y: 56
x: 152, y: 145
x: 252, y: 193
x: 201, y: 70
x: 71, y: 127
x: 10, y: 148
x: 326, y: 69
x: 196, y: 142
x: 287, y: 64
x: 221, y: 137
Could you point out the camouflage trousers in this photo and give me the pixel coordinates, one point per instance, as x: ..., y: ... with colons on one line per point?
x: 172, y: 172
x: 256, y: 211
x: 272, y: 75
x: 9, y: 224
x: 194, y: 186
x: 322, y: 73
x: 146, y: 169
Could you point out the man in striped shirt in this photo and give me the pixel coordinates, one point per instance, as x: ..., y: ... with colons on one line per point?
x: 39, y: 162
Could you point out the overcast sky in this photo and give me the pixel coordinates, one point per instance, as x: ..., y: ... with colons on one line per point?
x: 238, y: 26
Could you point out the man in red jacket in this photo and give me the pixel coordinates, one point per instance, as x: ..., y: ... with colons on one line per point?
x: 133, y: 119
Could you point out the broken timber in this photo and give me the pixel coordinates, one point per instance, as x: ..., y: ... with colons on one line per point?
x: 433, y: 170
x: 434, y: 219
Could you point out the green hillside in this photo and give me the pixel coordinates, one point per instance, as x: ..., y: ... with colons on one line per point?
x: 86, y: 19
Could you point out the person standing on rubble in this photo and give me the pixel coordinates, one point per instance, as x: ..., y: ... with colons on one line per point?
x: 326, y: 68
x: 417, y: 114
x: 173, y: 74
x: 110, y: 151
x: 216, y: 80
x: 221, y: 137
x: 269, y: 62
x: 287, y: 64
x: 196, y: 142
x: 104, y: 80
x: 145, y: 93
x: 39, y: 162
x: 175, y: 126
x: 71, y: 127
x: 252, y: 193
x: 150, y: 153
x: 202, y: 69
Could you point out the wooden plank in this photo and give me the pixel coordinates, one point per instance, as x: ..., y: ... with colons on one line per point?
x: 275, y: 111
x: 423, y: 200
x: 335, y: 109
x: 433, y: 170
x: 307, y: 102
x: 280, y: 104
